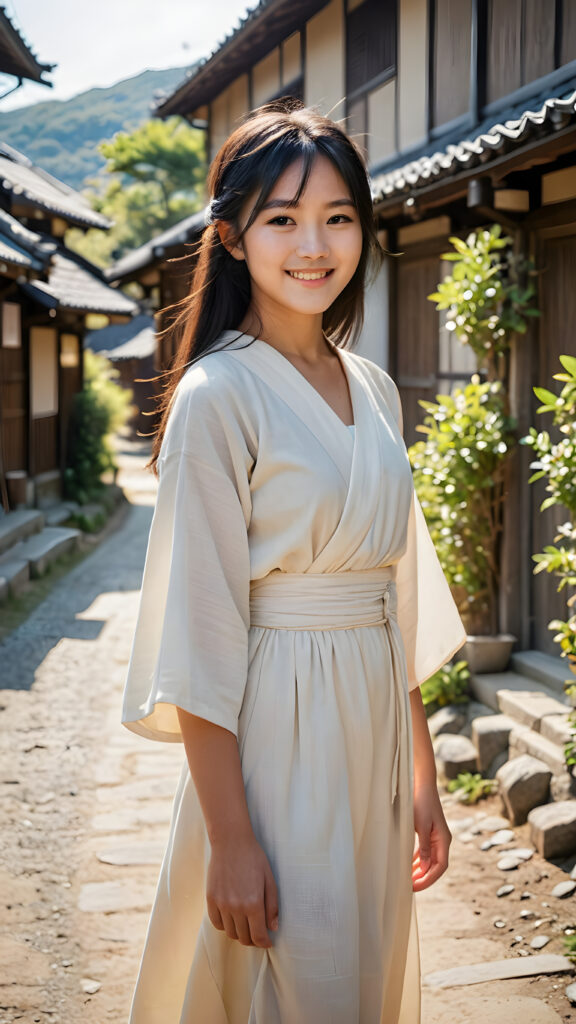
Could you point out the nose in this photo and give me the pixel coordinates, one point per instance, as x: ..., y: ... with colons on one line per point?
x: 312, y: 243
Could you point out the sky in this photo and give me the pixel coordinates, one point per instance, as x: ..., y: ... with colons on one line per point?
x: 100, y: 43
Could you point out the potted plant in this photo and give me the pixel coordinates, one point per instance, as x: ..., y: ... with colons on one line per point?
x: 461, y: 468
x: 556, y: 463
x: 459, y: 474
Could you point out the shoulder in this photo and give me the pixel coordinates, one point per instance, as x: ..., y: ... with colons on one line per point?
x: 377, y: 377
x: 210, y: 398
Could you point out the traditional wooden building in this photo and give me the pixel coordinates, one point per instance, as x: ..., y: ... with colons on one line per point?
x: 17, y: 59
x: 162, y: 269
x: 46, y: 291
x: 467, y: 113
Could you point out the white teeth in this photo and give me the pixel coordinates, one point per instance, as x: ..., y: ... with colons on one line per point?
x: 300, y: 276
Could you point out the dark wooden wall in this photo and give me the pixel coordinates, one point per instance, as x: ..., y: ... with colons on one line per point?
x: 415, y: 350
x: 14, y: 408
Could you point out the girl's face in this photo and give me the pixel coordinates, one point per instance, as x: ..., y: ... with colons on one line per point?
x: 301, y: 257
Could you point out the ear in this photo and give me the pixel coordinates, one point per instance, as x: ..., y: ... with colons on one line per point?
x: 228, y: 238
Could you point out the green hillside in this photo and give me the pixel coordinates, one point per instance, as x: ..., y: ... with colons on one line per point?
x: 62, y: 136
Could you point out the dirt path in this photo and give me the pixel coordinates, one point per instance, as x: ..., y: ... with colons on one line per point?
x: 85, y: 807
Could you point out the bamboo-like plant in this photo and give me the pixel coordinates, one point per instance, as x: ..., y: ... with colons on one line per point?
x: 459, y: 474
x: 488, y: 296
x: 556, y: 463
x: 461, y: 469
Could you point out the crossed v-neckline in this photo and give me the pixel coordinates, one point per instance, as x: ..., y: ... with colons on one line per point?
x: 308, y: 385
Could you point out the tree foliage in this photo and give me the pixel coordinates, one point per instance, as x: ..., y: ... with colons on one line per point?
x: 155, y: 177
x: 98, y: 411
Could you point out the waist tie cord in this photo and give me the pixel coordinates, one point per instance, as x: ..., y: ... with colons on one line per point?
x: 331, y: 601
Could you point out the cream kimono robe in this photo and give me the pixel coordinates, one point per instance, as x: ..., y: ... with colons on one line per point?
x: 292, y: 595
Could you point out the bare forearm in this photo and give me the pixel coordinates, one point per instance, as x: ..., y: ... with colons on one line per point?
x: 214, y: 761
x: 424, y: 763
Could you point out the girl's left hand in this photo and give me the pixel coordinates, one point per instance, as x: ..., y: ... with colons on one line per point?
x: 431, y: 858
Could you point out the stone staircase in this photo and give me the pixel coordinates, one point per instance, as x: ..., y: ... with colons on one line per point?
x: 514, y: 729
x: 30, y: 540
x: 530, y: 705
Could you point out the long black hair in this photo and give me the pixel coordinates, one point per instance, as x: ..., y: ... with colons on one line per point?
x: 268, y: 141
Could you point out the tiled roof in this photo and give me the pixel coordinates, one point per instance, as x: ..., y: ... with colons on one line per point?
x: 261, y: 28
x: 21, y: 247
x: 134, y: 340
x: 21, y: 180
x: 16, y: 57
x: 545, y: 116
x: 77, y: 285
x: 154, y: 251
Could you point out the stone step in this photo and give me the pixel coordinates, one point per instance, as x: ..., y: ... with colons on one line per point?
x: 526, y: 701
x: 44, y: 548
x: 58, y: 514
x: 523, y: 740
x: 544, y: 668
x: 14, y: 574
x: 15, y: 526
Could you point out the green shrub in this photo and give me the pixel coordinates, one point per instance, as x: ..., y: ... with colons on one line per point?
x: 98, y: 411
x: 488, y: 296
x: 447, y: 686
x: 470, y: 787
x: 556, y: 463
x: 459, y: 475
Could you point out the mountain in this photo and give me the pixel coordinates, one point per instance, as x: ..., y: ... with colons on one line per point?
x: 62, y: 136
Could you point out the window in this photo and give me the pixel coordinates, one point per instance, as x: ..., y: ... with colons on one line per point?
x: 43, y: 371
x: 525, y: 40
x: 452, y: 35
x: 370, y: 55
x: 11, y: 327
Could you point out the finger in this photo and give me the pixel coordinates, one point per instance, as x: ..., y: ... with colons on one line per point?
x: 271, y: 902
x: 257, y: 922
x: 242, y: 929
x: 428, y: 878
x: 229, y: 926
x: 215, y: 915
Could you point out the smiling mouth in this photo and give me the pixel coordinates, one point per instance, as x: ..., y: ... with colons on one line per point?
x: 309, y: 275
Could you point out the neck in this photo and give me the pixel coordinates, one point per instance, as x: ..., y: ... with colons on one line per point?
x: 298, y: 335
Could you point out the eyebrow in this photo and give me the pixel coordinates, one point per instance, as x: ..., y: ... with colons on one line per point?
x: 274, y: 204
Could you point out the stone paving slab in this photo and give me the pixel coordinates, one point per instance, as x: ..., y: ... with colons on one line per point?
x: 133, y: 853
x: 497, y: 970
x: 110, y: 897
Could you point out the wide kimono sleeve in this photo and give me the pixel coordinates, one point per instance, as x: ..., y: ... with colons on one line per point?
x: 430, y: 624
x: 190, y: 647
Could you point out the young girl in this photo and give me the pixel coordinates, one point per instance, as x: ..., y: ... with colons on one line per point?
x: 292, y: 603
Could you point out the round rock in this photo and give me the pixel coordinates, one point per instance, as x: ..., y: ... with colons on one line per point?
x: 505, y: 890
x: 522, y: 852
x: 492, y: 823
x: 508, y: 863
x: 503, y: 835
x: 564, y: 889
x: 570, y: 992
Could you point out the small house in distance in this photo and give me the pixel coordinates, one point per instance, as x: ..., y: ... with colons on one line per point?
x: 131, y: 348
x: 162, y: 268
